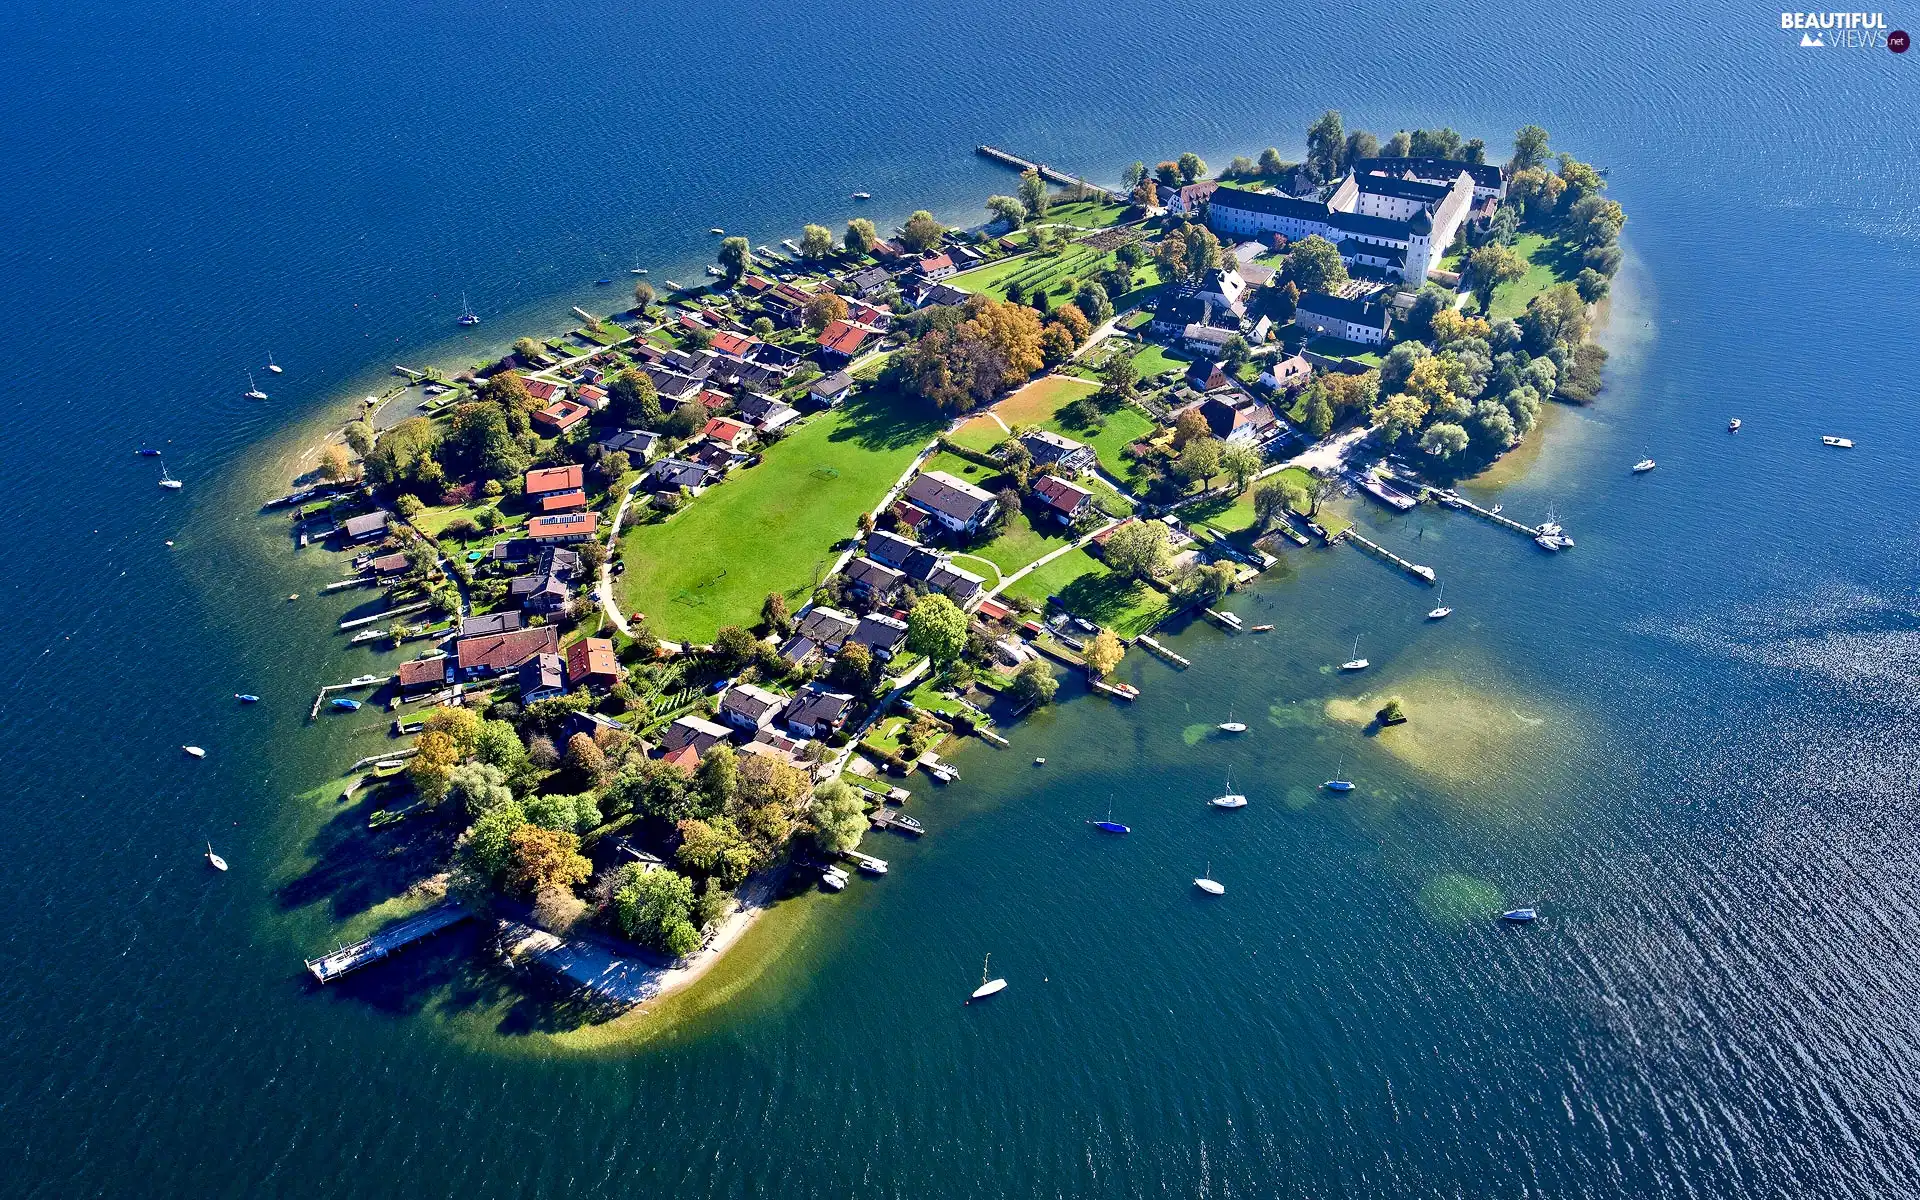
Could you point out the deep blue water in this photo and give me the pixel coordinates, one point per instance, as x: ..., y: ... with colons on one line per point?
x: 1690, y: 741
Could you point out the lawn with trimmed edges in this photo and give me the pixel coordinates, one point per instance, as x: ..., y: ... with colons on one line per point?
x: 771, y: 527
x: 1089, y: 590
x: 964, y: 469
x: 1157, y: 360
x: 1020, y: 543
x: 1115, y: 432
x: 1038, y: 401
x: 981, y: 433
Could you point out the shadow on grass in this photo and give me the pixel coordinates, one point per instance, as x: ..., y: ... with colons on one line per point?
x: 883, y: 418
x: 1107, y: 599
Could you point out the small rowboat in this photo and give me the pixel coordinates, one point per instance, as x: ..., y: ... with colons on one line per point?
x: 1263, y: 629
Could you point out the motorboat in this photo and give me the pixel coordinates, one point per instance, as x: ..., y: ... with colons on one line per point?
x: 602, y: 282
x: 1356, y: 663
x: 214, y: 860
x: 716, y: 272
x: 988, y: 987
x: 1519, y: 916
x: 253, y: 391
x: 344, y: 704
x: 1495, y: 510
x: 194, y: 751
x: 467, y: 315
x: 1039, y: 762
x: 363, y: 680
x: 1643, y: 466
x: 169, y: 482
x: 716, y: 231
x: 1262, y: 629
x: 244, y: 698
x: 1439, y: 612
x: 1553, y: 541
x: 1211, y: 887
x: 863, y: 195
x: 1733, y: 426
x: 1842, y: 443
x: 833, y: 878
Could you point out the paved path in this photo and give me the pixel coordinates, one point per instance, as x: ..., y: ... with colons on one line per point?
x: 1044, y: 559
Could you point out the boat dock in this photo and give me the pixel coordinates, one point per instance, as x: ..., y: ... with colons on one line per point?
x: 1047, y: 173
x: 349, y: 686
x: 1423, y: 574
x: 348, y: 959
x: 1380, y: 490
x: 1224, y: 620
x: 1177, y: 660
x: 991, y: 738
x: 1122, y: 691
x: 886, y: 818
x: 1455, y: 500
x: 357, y: 622
x: 866, y: 862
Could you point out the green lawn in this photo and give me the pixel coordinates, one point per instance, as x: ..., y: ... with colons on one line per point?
x: 981, y: 433
x: 771, y: 527
x: 1091, y: 591
x: 1088, y: 214
x: 1548, y: 263
x: 1156, y: 360
x: 1115, y: 432
x: 962, y: 468
x: 985, y: 568
x: 1020, y: 544
x: 1332, y: 347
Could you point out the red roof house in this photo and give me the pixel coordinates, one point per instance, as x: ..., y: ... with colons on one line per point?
x: 731, y: 434
x: 560, y: 416
x: 561, y: 528
x: 546, y: 480
x: 556, y: 502
x: 842, y: 339
x: 591, y: 661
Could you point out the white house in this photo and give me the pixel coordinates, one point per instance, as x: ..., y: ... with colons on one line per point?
x: 1397, y: 225
x: 955, y: 503
x: 1336, y: 316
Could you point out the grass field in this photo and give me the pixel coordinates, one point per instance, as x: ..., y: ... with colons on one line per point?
x: 1118, y: 430
x: 768, y: 528
x: 961, y: 468
x: 980, y: 433
x: 985, y: 568
x: 1087, y: 214
x: 1020, y: 544
x: 1549, y: 261
x: 1091, y: 591
x: 1156, y: 360
x: 1332, y: 347
x: 1037, y: 402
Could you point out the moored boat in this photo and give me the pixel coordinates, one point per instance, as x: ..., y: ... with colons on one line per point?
x: 1439, y: 611
x: 1519, y: 916
x: 988, y: 987
x: 1356, y: 663
x: 214, y: 860
x: 344, y: 704
x: 1209, y: 885
x: 1643, y: 466
x: 246, y: 698
x: 194, y: 751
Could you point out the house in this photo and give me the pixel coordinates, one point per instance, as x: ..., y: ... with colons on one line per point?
x: 874, y: 581
x: 695, y: 734
x: 639, y: 445
x: 1187, y: 200
x: 592, y: 397
x: 713, y: 399
x: 731, y: 434
x: 1488, y: 181
x: 1387, y: 219
x: 869, y: 282
x: 714, y: 456
x: 733, y: 345
x: 543, y: 390
x: 955, y: 503
x: 1338, y: 317
x: 499, y: 622
x: 940, y: 293
x: 1066, y: 501
x: 424, y: 674
x: 777, y: 358
x: 1174, y: 315
x: 491, y: 654
x: 672, y: 385
x: 672, y: 474
x: 1238, y: 419
x: 1285, y: 374
x: 816, y: 713
x: 563, y: 502
x: 841, y: 340
x: 890, y: 548
x: 542, y: 593
x: 592, y: 724
x: 542, y: 677
x: 685, y: 760
x: 880, y: 634
x: 877, y: 319
x: 797, y: 651
x: 750, y: 707
x: 1223, y: 288
x: 961, y: 586
x: 935, y: 267
x: 396, y: 563
x: 830, y: 390
x: 560, y: 416
x: 1210, y: 340
x: 367, y: 527
x: 563, y: 528
x: 551, y: 480
x: 1049, y: 449
x: 911, y: 517
x: 591, y: 663
x: 767, y: 413
x: 826, y: 627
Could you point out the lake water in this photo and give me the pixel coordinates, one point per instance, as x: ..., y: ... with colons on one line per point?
x: 1688, y: 742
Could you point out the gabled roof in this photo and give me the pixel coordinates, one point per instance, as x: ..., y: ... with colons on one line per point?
x: 825, y: 626
x: 693, y: 733
x: 844, y: 337
x: 720, y: 429
x: 366, y: 524
x: 945, y: 494
x: 733, y: 344
x: 505, y: 651
x: 750, y: 701
x: 562, y: 414
x: 592, y: 658
x: 815, y: 705
x: 1400, y: 189
x: 1484, y: 174
x: 541, y: 672
x: 878, y: 631
x: 555, y: 479
x: 890, y: 548
x: 499, y: 622
x: 875, y: 576
x: 1046, y: 446
x: 563, y: 501
x: 934, y: 262
x: 563, y: 525
x: 425, y: 672
x: 1339, y: 308
x: 1060, y: 494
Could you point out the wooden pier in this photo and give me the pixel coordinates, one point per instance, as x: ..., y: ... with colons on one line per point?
x: 1047, y: 173
x: 866, y: 862
x: 351, y: 685
x: 885, y: 818
x: 1455, y: 500
x: 1224, y: 620
x: 1162, y: 651
x: 357, y: 622
x: 348, y: 959
x: 991, y: 738
x: 1123, y: 691
x: 1423, y: 574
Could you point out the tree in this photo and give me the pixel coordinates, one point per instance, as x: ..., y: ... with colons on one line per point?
x: 1204, y: 584
x: 816, y: 242
x: 633, y: 400
x: 1137, y: 550
x: 335, y: 464
x: 861, y: 237
x: 1595, y: 220
x: 1241, y: 168
x: 1192, y: 167
x: 1131, y: 177
x: 1591, y: 285
x: 736, y: 258
x: 1102, y: 653
x: 688, y: 417
x: 1199, y: 460
x: 643, y: 295
x: 656, y: 908
x: 1033, y: 193
x: 1361, y: 145
x: 1273, y: 499
x: 1398, y: 146
x: 1556, y: 317
x: 1093, y: 303
x: 487, y: 846
x: 733, y: 647
x: 1474, y: 152
x: 539, y: 858
x: 1167, y: 172
x: 1235, y: 354
x: 433, y: 761
x: 715, y: 848
x: 404, y: 456
x: 1241, y: 463
x: 1033, y: 682
x: 773, y: 614
x: 1536, y: 192
x: 853, y: 669
x: 1314, y: 263
x: 1529, y: 148
x: 1582, y: 180
x: 1006, y: 211
x: 1145, y: 194
x: 586, y: 760
x: 1270, y: 162
x: 1202, y: 252
x: 1317, y: 412
x: 1074, y: 318
x: 529, y: 349
x: 1492, y: 265
x: 1120, y: 378
x: 480, y: 443
x: 477, y: 787
x: 359, y: 436
x: 1443, y: 439
x: 936, y: 628
x: 762, y: 328
x: 823, y: 310
x: 1326, y: 144
x: 1056, y: 344
x: 1400, y: 415
x: 838, y: 818
x: 922, y: 232
x: 1190, y: 424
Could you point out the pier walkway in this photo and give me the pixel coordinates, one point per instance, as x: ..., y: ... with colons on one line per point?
x: 399, y: 936
x: 1456, y: 500
x: 1046, y: 172
x: 1424, y: 574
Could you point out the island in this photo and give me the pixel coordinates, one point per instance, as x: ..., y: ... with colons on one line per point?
x: 683, y: 593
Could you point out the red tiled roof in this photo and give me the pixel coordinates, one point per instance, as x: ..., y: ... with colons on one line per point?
x: 563, y: 525
x: 540, y: 389
x: 569, y: 478
x: 554, y: 502
x: 592, y: 659
x: 505, y: 651
x: 686, y: 759
x: 692, y: 320
x: 938, y: 262
x: 713, y: 399
x: 844, y: 337
x: 738, y: 345
x: 994, y: 610
x: 1059, y: 494
x: 422, y: 672
x: 561, y: 415
x: 722, y: 430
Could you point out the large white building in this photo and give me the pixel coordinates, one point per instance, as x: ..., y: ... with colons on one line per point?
x: 1391, y: 219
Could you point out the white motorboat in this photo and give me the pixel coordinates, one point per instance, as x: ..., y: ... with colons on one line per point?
x: 1495, y: 510
x: 863, y: 195
x: 1356, y: 663
x: 716, y: 231
x: 988, y: 987
x: 833, y: 878
x: 194, y: 751
x: 1842, y: 443
x: 214, y: 860
x: 1211, y: 887
x: 253, y: 391
x: 1733, y: 426
x: 1643, y: 466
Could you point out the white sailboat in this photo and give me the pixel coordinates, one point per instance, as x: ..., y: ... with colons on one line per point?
x: 1337, y: 784
x: 988, y: 987
x: 1230, y: 799
x: 1211, y: 887
x: 194, y: 751
x: 253, y: 391
x: 1440, y: 611
x: 1643, y: 466
x: 467, y: 315
x: 214, y: 860
x: 1356, y: 663
x: 272, y: 365
x: 167, y: 481
x: 1230, y: 725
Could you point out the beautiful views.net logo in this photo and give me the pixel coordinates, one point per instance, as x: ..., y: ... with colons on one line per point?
x: 1846, y: 30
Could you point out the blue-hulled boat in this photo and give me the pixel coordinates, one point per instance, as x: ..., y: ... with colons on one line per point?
x: 243, y: 698
x: 341, y: 702
x: 1109, y: 825
x: 147, y: 452
x: 1519, y: 916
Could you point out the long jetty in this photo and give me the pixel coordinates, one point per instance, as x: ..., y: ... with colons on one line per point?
x: 1456, y: 500
x: 403, y: 610
x: 1046, y: 172
x: 1162, y: 651
x: 1423, y: 574
x: 399, y: 936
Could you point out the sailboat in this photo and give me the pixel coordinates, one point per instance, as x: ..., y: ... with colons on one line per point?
x: 168, y: 481
x: 1210, y: 886
x: 1230, y: 725
x: 1440, y: 611
x: 1230, y: 799
x: 467, y: 315
x: 1643, y: 466
x: 246, y: 698
x: 988, y: 987
x: 1356, y: 663
x: 214, y: 860
x: 253, y: 391
x: 1110, y: 825
x: 272, y: 365
x: 194, y: 751
x: 1519, y: 916
x: 1337, y: 784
